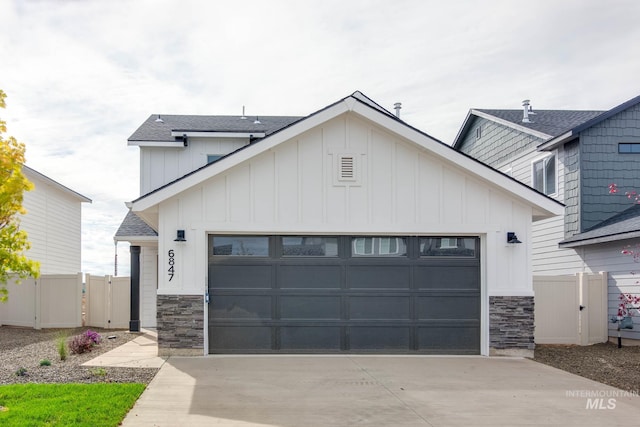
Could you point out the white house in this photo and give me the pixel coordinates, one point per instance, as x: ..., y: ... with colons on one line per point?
x: 343, y: 231
x: 53, y: 224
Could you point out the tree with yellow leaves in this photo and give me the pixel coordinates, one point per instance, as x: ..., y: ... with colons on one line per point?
x: 14, y: 264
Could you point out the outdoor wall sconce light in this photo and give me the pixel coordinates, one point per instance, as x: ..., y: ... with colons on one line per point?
x: 512, y: 238
x: 180, y: 236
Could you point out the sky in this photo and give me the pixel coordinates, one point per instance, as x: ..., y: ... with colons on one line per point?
x: 82, y: 75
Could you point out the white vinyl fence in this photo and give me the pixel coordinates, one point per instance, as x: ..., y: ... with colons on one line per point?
x: 571, y: 309
x: 107, y: 302
x: 51, y: 301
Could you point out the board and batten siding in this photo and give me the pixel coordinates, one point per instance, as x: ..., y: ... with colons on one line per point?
x: 53, y: 225
x: 162, y: 165
x: 294, y: 188
x: 148, y: 285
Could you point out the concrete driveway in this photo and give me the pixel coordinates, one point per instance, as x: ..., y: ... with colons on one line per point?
x: 307, y: 391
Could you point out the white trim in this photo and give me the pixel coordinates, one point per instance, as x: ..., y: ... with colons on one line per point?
x: 555, y: 177
x: 553, y: 143
x: 601, y: 239
x: 542, y: 205
x: 218, y: 134
x: 27, y: 171
x: 511, y: 125
x: 173, y: 144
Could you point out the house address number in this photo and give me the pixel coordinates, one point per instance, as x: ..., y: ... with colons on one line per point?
x: 172, y: 262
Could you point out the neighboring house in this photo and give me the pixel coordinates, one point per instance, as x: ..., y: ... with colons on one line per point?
x: 572, y: 156
x: 53, y: 224
x: 343, y: 231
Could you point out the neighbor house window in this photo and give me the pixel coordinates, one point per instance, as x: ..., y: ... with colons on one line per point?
x: 479, y: 132
x: 544, y: 175
x: 629, y: 148
x: 379, y: 246
x: 213, y: 157
x: 310, y: 246
x: 448, y: 246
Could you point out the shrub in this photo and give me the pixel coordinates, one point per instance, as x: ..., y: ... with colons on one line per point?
x: 93, y: 336
x: 45, y: 362
x: 21, y: 372
x: 99, y: 372
x: 80, y: 344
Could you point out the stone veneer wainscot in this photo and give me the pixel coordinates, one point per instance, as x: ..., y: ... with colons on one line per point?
x: 511, y: 325
x: 180, y: 325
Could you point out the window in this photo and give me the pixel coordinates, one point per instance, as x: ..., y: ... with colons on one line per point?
x: 379, y: 246
x: 448, y: 246
x: 310, y: 246
x: 213, y: 157
x: 544, y: 175
x: 479, y: 132
x: 240, y: 245
x: 629, y: 148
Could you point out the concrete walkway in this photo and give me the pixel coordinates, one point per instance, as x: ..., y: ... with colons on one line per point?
x: 399, y: 391
x: 141, y: 352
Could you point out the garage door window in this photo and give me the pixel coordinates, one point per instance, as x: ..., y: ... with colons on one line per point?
x: 379, y: 246
x: 241, y: 246
x: 310, y: 246
x: 448, y: 246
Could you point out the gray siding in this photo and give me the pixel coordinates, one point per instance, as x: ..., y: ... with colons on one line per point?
x: 492, y: 148
x: 572, y: 188
x: 601, y: 165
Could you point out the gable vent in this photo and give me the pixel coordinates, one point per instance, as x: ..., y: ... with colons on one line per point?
x: 347, y: 168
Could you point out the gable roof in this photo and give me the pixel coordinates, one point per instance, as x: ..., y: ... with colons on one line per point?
x: 34, y: 173
x: 625, y: 225
x: 362, y: 105
x: 544, y: 124
x: 133, y: 227
x: 571, y: 133
x: 161, y: 131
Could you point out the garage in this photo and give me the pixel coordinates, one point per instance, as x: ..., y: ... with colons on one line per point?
x: 334, y: 294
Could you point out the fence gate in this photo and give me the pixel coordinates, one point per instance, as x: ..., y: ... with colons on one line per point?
x: 107, y: 302
x: 571, y: 309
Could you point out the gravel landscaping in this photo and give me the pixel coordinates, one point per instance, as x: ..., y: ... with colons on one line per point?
x: 22, y: 350
x: 605, y: 363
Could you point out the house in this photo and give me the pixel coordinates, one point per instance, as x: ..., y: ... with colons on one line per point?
x: 53, y: 225
x: 343, y: 231
x: 572, y: 156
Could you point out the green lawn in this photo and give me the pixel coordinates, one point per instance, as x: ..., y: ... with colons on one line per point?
x: 101, y: 404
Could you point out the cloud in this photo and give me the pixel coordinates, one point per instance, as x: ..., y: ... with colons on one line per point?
x: 82, y: 76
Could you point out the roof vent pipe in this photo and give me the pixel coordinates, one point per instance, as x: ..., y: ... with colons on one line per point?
x: 397, y: 106
x: 525, y: 116
x: 243, y: 116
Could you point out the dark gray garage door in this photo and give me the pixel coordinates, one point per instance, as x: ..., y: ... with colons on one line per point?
x: 299, y: 294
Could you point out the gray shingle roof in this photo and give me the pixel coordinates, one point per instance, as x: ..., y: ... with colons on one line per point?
x: 133, y: 226
x: 550, y: 122
x: 618, y: 227
x: 151, y: 130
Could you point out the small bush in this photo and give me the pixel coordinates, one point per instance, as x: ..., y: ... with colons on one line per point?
x: 84, y: 342
x: 99, y: 372
x: 45, y: 362
x: 93, y: 336
x: 21, y: 372
x: 80, y: 344
x: 61, y: 344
